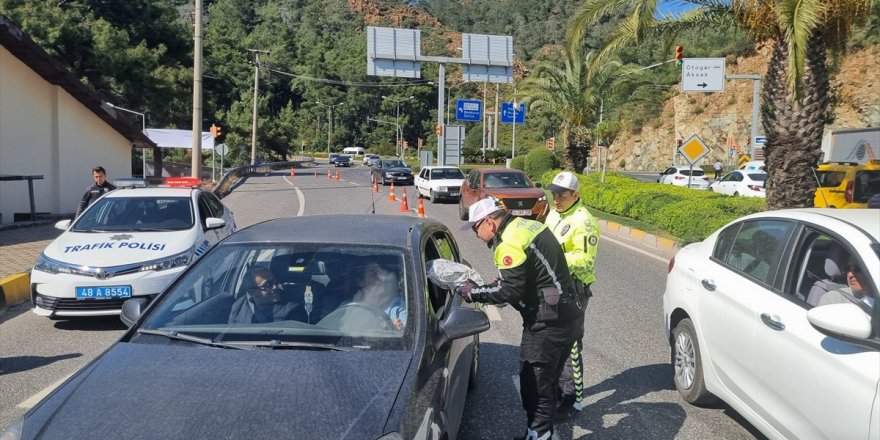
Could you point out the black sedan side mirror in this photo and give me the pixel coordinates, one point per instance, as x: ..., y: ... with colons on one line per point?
x: 132, y: 310
x: 460, y: 323
x: 538, y: 184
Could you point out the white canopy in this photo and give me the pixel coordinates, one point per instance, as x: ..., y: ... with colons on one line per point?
x: 169, y: 138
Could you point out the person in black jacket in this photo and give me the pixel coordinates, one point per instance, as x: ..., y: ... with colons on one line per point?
x: 535, y: 280
x: 95, y: 191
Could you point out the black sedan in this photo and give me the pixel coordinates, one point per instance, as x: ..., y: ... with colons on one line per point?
x: 392, y: 170
x: 341, y: 161
x: 286, y: 329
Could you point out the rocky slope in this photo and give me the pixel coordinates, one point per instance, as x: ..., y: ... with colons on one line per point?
x: 723, y: 119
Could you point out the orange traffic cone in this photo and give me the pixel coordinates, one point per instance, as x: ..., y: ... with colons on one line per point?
x: 421, y: 210
x: 375, y: 186
x: 316, y: 174
x: 329, y: 174
x: 404, y: 207
x: 337, y: 175
x: 292, y: 173
x: 391, y: 194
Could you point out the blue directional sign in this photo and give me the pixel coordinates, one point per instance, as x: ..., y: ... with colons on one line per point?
x: 507, y: 113
x: 469, y: 110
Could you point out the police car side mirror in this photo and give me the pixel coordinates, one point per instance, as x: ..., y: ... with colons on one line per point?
x: 62, y: 224
x: 214, y: 223
x: 132, y: 310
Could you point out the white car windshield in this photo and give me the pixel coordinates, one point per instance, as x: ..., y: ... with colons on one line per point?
x: 137, y: 214
x: 447, y: 173
x: 341, y: 295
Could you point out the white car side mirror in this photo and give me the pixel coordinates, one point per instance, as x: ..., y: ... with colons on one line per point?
x: 62, y: 224
x: 841, y: 319
x: 214, y: 223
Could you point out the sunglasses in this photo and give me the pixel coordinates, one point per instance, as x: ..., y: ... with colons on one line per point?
x: 268, y: 286
x: 477, y: 225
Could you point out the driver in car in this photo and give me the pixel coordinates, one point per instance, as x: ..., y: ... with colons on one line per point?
x: 379, y: 286
x: 263, y: 300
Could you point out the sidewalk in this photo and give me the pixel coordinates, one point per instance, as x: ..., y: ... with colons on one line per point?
x: 19, y: 248
x: 660, y: 246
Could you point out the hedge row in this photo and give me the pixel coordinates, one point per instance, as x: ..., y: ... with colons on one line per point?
x: 684, y: 213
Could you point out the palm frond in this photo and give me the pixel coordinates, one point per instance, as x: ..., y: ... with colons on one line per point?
x: 590, y: 12
x: 798, y: 19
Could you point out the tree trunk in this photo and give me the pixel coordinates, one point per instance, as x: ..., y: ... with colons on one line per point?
x: 577, y: 148
x: 794, y: 126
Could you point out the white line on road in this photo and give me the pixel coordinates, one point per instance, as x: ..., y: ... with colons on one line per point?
x: 33, y: 400
x: 633, y: 248
x: 299, y: 196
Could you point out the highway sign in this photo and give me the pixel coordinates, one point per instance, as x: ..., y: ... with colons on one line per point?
x: 469, y: 110
x: 693, y: 149
x: 702, y: 75
x: 220, y: 149
x: 507, y: 113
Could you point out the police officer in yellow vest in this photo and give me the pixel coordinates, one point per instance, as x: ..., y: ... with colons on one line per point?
x: 534, y: 279
x: 578, y: 232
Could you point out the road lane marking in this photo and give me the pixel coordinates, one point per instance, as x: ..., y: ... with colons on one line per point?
x: 36, y: 398
x: 633, y: 248
x: 299, y: 196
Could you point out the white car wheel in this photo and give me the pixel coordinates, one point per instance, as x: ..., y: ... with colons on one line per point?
x: 688, y: 364
x: 431, y: 196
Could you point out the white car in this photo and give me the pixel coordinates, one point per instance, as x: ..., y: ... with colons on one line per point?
x: 755, y: 165
x: 682, y: 176
x: 132, y: 242
x: 777, y: 314
x: 741, y: 183
x: 436, y: 182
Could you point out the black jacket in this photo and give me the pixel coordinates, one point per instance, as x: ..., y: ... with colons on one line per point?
x: 534, y: 276
x: 93, y: 193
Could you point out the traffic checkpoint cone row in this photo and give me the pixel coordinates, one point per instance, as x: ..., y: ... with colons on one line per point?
x: 391, y: 194
x: 421, y: 209
x: 337, y: 175
x: 404, y: 207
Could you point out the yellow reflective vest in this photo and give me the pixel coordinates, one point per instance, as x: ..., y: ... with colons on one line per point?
x: 578, y: 233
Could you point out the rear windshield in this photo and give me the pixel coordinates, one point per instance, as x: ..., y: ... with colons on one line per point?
x: 830, y: 179
x: 696, y: 173
x: 867, y: 183
x: 758, y: 177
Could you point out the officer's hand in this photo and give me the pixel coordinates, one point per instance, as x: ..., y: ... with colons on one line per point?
x: 464, y: 290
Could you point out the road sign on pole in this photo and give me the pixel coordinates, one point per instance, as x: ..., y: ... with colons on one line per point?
x: 468, y: 110
x: 507, y: 113
x: 702, y: 75
x: 693, y: 149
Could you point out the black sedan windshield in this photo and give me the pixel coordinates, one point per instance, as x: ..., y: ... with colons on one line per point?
x: 394, y: 164
x: 277, y: 295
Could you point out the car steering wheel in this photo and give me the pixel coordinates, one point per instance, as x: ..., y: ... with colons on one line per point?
x: 357, y: 312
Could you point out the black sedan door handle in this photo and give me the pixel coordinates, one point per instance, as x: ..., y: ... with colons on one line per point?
x: 772, y: 322
x: 708, y: 284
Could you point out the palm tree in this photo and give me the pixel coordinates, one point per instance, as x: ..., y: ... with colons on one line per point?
x: 578, y: 95
x: 796, y: 90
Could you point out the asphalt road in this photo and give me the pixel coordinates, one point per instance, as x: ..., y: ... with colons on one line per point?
x: 628, y: 375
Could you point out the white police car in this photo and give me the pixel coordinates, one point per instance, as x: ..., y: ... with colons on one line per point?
x: 132, y: 242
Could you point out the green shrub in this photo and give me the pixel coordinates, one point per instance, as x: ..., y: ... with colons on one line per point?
x: 539, y: 161
x: 518, y: 162
x: 687, y: 214
x: 622, y: 163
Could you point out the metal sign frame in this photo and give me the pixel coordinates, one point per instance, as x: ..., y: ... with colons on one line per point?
x: 703, y: 74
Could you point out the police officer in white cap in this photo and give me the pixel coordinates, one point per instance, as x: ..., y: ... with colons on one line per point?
x: 534, y: 279
x: 578, y: 233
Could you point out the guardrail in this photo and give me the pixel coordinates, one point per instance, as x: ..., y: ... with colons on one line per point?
x: 224, y: 186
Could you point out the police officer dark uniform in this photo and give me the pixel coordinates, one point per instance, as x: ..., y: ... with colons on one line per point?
x: 534, y: 279
x: 95, y: 191
x: 578, y: 233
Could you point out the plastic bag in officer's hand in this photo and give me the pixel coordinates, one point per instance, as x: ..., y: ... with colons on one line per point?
x: 448, y: 274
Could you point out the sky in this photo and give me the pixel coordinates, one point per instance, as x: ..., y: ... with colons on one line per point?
x: 675, y: 6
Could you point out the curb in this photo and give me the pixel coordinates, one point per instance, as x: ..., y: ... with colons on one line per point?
x: 661, y: 245
x: 14, y: 289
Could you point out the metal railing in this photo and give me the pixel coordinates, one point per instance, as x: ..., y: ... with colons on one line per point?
x: 231, y: 176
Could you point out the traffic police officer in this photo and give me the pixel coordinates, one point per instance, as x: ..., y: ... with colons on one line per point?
x: 578, y: 233
x: 95, y: 191
x: 534, y: 279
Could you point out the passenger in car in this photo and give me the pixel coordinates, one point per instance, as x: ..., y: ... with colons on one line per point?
x: 857, y: 290
x: 263, y: 300
x: 379, y: 286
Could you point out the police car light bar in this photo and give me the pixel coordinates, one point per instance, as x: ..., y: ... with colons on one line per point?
x: 130, y: 182
x: 183, y: 182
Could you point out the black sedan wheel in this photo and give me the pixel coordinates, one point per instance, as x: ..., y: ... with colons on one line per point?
x: 688, y: 364
x: 474, y: 379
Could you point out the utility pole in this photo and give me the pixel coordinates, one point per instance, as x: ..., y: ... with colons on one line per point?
x: 513, y: 140
x: 197, y: 94
x: 256, y: 53
x: 485, y: 114
x: 497, y: 113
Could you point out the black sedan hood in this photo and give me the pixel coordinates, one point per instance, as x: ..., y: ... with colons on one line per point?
x: 183, y: 392
x: 398, y: 170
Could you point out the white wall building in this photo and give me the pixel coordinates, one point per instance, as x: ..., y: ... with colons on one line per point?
x: 54, y: 126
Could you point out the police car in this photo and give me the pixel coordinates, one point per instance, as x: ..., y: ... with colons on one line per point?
x: 132, y: 242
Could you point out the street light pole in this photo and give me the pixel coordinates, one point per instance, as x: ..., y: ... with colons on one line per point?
x: 257, y: 53
x: 398, y: 147
x: 143, y: 130
x: 513, y: 140
x: 329, y: 121
x: 197, y: 95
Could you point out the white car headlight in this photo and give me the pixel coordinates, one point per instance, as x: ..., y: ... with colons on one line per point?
x: 542, y: 198
x: 181, y: 259
x: 48, y: 265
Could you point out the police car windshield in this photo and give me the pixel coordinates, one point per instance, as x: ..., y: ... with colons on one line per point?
x: 137, y: 214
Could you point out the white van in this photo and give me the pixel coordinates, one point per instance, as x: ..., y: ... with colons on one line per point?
x: 357, y: 151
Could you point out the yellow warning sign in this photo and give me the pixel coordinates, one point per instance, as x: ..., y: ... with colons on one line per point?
x: 693, y: 149
x: 744, y: 159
